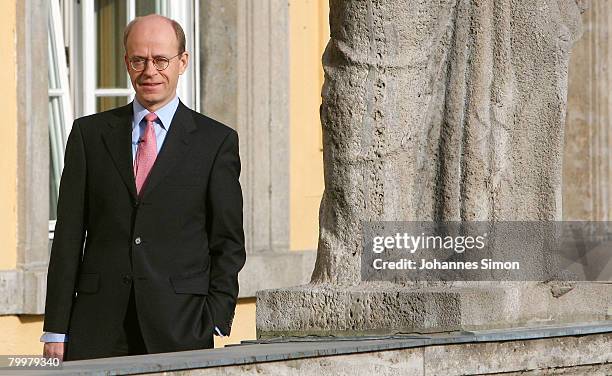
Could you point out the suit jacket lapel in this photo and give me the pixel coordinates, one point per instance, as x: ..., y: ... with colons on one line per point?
x: 118, y: 140
x: 175, y: 146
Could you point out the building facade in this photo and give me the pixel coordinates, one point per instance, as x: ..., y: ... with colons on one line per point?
x: 254, y: 65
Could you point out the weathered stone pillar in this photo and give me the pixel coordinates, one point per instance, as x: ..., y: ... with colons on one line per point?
x: 444, y: 111
x: 245, y: 84
x: 587, y: 166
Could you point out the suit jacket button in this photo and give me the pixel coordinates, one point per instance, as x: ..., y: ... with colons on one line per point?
x: 127, y: 279
x: 138, y: 240
x: 136, y: 203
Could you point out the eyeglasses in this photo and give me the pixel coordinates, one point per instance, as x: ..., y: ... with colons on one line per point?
x: 159, y: 62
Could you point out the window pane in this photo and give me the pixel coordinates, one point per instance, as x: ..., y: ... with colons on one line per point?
x: 111, y: 18
x: 56, y: 151
x: 144, y: 7
x: 60, y: 113
x: 107, y: 103
x: 53, y: 69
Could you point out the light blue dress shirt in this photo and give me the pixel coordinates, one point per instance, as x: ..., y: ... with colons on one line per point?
x: 162, y: 126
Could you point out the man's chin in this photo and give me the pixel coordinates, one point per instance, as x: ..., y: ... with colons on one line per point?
x: 150, y: 101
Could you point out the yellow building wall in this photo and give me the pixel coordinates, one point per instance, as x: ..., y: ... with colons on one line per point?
x: 21, y: 334
x: 243, y: 327
x: 309, y: 33
x: 8, y: 141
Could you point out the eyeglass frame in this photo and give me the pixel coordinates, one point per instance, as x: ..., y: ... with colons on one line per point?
x: 146, y: 60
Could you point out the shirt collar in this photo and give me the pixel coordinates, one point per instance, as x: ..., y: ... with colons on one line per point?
x: 164, y: 114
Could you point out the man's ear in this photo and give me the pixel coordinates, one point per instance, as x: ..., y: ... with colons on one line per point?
x: 127, y: 62
x: 183, y: 62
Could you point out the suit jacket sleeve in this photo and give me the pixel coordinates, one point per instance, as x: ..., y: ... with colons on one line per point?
x: 225, y: 233
x: 69, y: 236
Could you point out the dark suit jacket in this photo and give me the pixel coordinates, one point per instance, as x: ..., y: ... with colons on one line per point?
x: 180, y: 242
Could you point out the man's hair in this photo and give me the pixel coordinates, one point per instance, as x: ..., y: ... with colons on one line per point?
x: 178, y: 31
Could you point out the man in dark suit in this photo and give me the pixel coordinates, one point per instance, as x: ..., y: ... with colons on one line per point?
x: 149, y: 231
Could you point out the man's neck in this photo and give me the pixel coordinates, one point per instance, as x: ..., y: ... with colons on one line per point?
x: 152, y: 107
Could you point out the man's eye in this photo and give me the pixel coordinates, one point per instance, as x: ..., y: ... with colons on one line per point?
x: 160, y: 60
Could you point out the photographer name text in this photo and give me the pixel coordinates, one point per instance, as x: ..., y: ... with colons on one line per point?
x: 434, y: 264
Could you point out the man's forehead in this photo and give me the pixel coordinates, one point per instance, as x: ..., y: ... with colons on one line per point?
x: 152, y: 33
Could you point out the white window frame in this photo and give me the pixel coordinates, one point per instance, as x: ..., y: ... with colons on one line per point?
x: 58, y: 65
x: 60, y: 50
x: 184, y: 12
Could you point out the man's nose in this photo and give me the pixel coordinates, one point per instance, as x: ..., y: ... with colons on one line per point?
x: 150, y: 69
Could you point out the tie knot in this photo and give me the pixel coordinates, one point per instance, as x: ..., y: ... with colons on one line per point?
x: 151, y: 116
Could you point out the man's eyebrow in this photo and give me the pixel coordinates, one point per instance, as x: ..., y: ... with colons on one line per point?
x: 144, y: 58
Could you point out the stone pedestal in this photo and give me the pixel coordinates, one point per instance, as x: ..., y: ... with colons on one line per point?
x: 387, y: 309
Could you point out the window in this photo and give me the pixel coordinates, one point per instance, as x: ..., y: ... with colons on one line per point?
x: 104, y: 81
x: 93, y: 77
x: 111, y: 79
x: 60, y: 106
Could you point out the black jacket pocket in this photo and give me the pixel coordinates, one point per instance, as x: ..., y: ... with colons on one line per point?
x: 191, y: 284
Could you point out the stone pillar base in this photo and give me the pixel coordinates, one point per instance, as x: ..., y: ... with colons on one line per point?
x: 386, y: 308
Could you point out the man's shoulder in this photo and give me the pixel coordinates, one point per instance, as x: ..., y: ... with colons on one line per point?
x: 202, y: 120
x: 209, y: 124
x: 108, y: 116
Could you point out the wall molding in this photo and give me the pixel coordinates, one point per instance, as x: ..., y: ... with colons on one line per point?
x: 22, y: 287
x: 245, y: 84
x: 24, y: 291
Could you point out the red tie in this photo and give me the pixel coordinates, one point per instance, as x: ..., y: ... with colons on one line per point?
x: 146, y: 153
